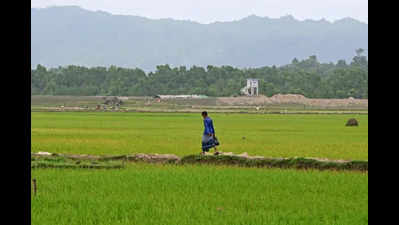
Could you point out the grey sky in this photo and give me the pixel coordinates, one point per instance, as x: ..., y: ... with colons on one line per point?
x: 207, y: 11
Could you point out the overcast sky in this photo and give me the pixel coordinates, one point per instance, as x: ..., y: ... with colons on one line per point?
x: 208, y: 11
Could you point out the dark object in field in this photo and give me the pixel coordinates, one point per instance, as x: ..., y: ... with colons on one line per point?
x: 113, y: 101
x: 34, y: 187
x: 352, y: 122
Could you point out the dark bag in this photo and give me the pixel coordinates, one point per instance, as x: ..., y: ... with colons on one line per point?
x: 216, y: 140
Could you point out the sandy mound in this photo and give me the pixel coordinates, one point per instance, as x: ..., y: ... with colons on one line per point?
x: 291, y: 99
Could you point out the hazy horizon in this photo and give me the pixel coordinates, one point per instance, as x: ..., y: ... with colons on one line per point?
x: 206, y: 12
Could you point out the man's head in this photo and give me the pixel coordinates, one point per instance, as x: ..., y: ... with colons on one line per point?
x: 204, y: 114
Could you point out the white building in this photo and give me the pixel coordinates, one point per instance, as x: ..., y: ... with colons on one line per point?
x: 252, y: 87
x: 179, y: 96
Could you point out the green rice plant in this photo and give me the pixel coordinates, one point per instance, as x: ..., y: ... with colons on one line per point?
x: 121, y: 133
x: 198, y: 194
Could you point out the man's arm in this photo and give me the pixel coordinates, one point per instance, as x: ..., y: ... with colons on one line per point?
x: 211, y: 130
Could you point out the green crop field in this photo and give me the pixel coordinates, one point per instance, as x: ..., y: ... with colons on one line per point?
x: 140, y: 193
x: 156, y: 194
x: 271, y: 135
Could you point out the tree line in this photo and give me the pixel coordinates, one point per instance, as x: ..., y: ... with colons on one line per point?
x: 308, y: 77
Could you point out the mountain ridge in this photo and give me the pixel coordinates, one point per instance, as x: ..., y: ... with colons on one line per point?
x: 73, y: 35
x: 288, y: 16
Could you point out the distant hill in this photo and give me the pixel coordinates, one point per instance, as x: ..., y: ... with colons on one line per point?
x: 72, y: 35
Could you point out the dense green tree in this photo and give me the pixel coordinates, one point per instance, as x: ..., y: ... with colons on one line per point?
x: 307, y: 77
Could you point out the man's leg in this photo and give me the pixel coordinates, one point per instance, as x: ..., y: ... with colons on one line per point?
x: 216, y: 151
x: 203, y: 143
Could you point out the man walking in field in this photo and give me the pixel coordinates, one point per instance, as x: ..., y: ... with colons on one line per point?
x: 209, y: 139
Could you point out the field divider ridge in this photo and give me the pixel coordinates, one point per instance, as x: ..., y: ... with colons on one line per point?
x: 56, y: 160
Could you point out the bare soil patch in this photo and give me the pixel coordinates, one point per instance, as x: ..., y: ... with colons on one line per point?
x: 279, y: 99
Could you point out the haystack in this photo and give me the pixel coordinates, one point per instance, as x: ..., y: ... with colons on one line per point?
x: 352, y: 122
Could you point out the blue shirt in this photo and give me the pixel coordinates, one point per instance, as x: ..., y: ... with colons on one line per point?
x: 208, y: 124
